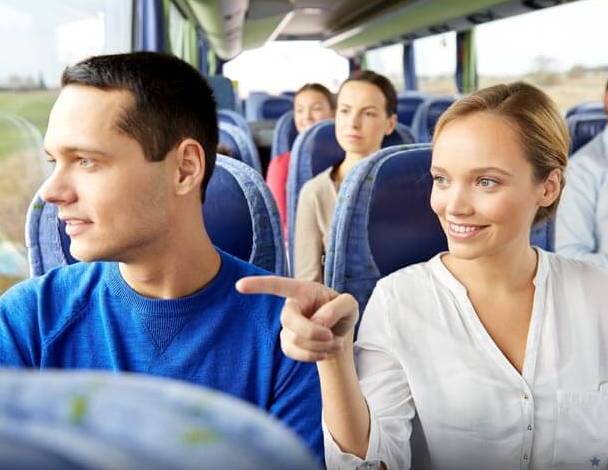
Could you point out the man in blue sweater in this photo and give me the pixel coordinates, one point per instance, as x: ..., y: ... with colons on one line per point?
x: 132, y: 141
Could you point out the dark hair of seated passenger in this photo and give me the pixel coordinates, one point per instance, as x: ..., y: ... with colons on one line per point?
x: 172, y: 101
x: 224, y: 150
x: 381, y: 82
x: 319, y: 89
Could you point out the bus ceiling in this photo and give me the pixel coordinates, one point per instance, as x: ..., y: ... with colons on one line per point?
x: 347, y: 26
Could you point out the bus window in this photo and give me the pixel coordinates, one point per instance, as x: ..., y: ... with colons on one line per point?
x: 556, y: 49
x: 436, y: 64
x: 60, y: 33
x: 387, y: 61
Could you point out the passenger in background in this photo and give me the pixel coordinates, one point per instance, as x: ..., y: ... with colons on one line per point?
x: 366, y: 113
x: 492, y: 355
x: 132, y: 139
x: 312, y: 103
x: 582, y: 219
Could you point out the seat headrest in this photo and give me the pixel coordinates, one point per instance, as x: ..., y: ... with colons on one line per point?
x: 274, y: 107
x: 583, y: 128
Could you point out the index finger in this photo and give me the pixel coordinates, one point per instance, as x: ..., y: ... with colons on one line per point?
x: 276, y: 285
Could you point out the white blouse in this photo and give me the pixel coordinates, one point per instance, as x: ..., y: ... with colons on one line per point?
x: 442, y: 395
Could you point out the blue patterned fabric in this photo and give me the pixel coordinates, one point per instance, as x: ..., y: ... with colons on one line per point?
x: 241, y: 145
x: 240, y: 213
x: 427, y: 115
x: 96, y: 420
x: 591, y: 107
x: 223, y: 92
x: 273, y: 107
x: 285, y: 134
x: 234, y: 118
x: 313, y: 151
x: 372, y: 235
x: 584, y: 127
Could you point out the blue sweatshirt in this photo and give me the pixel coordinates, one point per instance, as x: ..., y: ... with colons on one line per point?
x: 86, y: 316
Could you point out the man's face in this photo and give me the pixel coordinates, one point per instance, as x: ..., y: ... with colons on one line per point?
x: 116, y: 204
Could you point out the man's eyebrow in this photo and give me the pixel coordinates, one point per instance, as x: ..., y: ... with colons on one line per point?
x: 76, y: 149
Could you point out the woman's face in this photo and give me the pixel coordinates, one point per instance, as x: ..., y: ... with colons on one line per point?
x: 309, y: 107
x: 484, y: 191
x: 361, y: 119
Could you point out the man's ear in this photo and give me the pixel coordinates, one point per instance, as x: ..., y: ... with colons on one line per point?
x: 190, y: 171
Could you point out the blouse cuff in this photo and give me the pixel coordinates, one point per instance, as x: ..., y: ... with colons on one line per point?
x: 335, y: 459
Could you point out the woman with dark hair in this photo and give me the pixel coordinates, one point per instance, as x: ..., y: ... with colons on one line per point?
x: 493, y: 354
x: 312, y: 103
x: 366, y: 113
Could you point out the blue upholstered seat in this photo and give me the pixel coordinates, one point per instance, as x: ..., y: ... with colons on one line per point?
x: 407, y: 104
x: 383, y: 221
x: 315, y: 150
x: 285, y: 134
x: 223, y: 91
x: 273, y: 107
x: 234, y: 118
x: 240, y: 216
x: 590, y: 107
x: 584, y: 127
x: 241, y: 145
x: 427, y: 115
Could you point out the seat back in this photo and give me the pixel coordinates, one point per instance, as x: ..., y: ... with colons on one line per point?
x: 273, y: 107
x: 240, y: 215
x: 285, y: 134
x: 223, y: 91
x: 427, y: 115
x: 583, y: 128
x: 372, y: 236
x: 315, y: 150
x: 234, y: 118
x: 240, y: 144
x: 253, y: 103
x: 590, y: 107
x: 407, y: 106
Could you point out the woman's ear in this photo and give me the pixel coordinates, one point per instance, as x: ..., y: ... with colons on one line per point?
x: 392, y: 123
x: 190, y: 158
x: 552, y: 186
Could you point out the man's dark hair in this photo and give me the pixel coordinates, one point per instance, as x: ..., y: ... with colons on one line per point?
x: 381, y: 82
x: 172, y: 101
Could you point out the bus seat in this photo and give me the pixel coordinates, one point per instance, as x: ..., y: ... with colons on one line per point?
x: 240, y: 144
x: 314, y: 150
x: 273, y: 107
x: 427, y: 114
x: 590, y: 107
x: 285, y: 134
x: 289, y: 94
x: 253, y: 104
x: 240, y: 214
x: 234, y: 118
x: 402, y: 135
x: 371, y: 236
x: 407, y: 106
x: 223, y: 91
x: 584, y: 127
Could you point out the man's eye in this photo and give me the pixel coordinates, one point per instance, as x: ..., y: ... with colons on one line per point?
x: 85, y: 162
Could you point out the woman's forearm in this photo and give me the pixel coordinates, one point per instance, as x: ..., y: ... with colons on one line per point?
x: 344, y: 408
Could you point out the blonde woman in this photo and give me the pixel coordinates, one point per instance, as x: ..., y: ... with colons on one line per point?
x: 492, y: 355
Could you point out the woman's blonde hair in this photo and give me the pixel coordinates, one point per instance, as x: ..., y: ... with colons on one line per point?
x: 542, y: 130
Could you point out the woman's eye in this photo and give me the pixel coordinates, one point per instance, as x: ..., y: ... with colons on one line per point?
x: 487, y: 182
x: 440, y: 180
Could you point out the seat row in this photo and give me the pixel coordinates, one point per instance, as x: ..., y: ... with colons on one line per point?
x: 371, y: 236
